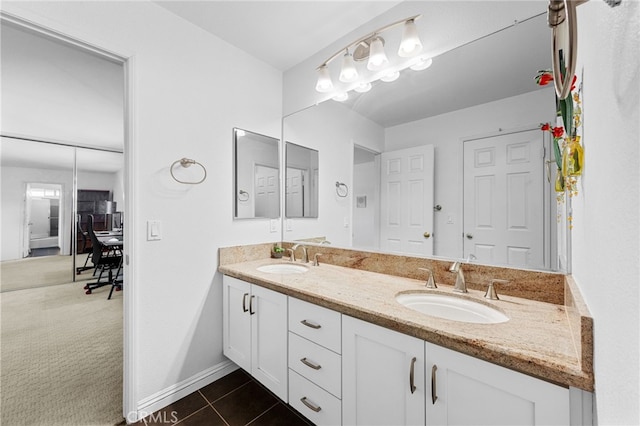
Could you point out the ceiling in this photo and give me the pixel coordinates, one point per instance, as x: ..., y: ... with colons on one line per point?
x: 280, y: 33
x: 286, y: 33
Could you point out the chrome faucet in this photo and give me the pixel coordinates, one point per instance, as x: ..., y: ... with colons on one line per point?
x: 461, y: 285
x: 305, y: 253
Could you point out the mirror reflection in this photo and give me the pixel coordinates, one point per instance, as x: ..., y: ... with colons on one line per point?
x: 257, y: 175
x: 478, y: 110
x: 301, y: 181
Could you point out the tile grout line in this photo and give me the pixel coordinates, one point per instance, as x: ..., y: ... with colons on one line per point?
x: 214, y: 408
x: 263, y: 413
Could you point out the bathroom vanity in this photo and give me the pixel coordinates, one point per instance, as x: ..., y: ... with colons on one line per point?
x: 334, y: 343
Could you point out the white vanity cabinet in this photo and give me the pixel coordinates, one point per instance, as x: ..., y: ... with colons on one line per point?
x: 383, y: 380
x: 255, y: 332
x: 315, y: 362
x: 467, y: 391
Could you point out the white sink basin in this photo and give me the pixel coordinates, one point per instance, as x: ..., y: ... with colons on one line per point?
x: 451, y: 308
x: 283, y: 268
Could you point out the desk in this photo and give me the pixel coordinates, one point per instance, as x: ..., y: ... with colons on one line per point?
x: 113, y: 242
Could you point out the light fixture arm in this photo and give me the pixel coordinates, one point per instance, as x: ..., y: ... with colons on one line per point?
x: 367, y: 37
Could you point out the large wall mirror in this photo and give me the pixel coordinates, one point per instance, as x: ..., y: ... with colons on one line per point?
x: 301, y: 181
x: 257, y: 175
x: 476, y: 105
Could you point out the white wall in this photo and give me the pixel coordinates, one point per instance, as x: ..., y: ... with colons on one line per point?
x: 606, y: 219
x: 446, y: 133
x: 189, y: 90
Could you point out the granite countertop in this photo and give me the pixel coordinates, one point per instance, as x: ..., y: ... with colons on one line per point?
x: 537, y: 340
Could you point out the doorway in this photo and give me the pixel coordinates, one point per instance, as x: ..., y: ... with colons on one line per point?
x: 78, y: 330
x: 42, y: 220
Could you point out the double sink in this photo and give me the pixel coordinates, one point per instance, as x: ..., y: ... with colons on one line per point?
x: 450, y: 307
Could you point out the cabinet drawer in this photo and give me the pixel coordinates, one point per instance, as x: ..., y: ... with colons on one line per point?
x: 316, y: 363
x: 323, y: 408
x: 318, y: 324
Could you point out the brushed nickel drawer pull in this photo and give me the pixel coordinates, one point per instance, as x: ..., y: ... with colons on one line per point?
x: 244, y: 302
x: 434, y: 397
x: 310, y: 324
x: 310, y: 364
x: 310, y: 405
x: 412, y: 385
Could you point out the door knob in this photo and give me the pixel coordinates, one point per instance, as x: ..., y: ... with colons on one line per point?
x: 426, y: 235
x: 469, y: 236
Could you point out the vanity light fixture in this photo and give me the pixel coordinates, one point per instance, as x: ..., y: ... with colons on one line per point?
x: 410, y: 44
x: 371, y: 49
x: 349, y: 72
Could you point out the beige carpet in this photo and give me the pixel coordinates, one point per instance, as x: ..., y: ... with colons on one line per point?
x: 35, y: 272
x: 61, y: 357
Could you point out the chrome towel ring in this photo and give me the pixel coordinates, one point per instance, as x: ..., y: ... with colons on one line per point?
x: 342, y: 189
x: 187, y: 162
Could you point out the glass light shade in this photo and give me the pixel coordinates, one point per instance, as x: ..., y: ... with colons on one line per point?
x: 363, y: 87
x: 422, y: 64
x: 377, y: 57
x: 391, y: 76
x: 410, y: 44
x: 324, y: 83
x: 341, y: 97
x: 348, y: 73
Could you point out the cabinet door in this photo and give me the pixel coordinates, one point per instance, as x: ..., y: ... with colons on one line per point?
x: 376, y: 376
x: 236, y: 322
x: 470, y: 391
x: 269, y: 339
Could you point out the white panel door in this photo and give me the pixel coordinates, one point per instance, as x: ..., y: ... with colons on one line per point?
x: 268, y: 310
x: 377, y: 366
x: 503, y: 199
x: 294, y: 193
x: 266, y: 187
x: 406, y: 213
x: 467, y: 391
x: 236, y: 323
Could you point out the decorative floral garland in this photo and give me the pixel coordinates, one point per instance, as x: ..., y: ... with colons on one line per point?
x: 568, y: 151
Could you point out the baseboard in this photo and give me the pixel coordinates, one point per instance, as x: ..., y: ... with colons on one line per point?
x: 175, y: 392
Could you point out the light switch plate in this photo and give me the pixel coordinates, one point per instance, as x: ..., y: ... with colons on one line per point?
x: 273, y: 225
x: 154, y: 230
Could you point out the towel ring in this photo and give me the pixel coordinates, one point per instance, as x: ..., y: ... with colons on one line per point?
x: 187, y: 162
x: 243, y: 195
x: 342, y: 189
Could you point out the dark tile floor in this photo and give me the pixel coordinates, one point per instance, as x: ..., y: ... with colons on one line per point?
x: 236, y: 399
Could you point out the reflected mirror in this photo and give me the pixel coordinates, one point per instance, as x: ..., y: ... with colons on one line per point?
x: 257, y: 175
x: 477, y: 105
x: 301, y: 181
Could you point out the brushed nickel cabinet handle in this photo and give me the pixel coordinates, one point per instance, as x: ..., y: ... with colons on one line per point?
x: 311, y: 364
x: 412, y: 386
x: 251, y: 311
x: 310, y: 405
x: 244, y: 302
x: 434, y: 397
x: 310, y: 324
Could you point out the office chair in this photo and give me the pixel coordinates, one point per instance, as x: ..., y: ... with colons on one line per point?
x: 104, y: 259
x: 84, y: 249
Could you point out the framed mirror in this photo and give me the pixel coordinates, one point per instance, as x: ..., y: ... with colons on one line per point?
x: 256, y: 175
x: 301, y: 181
x: 481, y: 91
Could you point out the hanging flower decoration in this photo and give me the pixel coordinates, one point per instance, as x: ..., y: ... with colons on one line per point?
x: 568, y: 152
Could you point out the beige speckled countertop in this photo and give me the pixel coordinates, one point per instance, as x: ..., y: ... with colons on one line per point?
x: 537, y: 340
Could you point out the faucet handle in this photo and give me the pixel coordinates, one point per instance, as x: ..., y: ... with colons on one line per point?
x: 315, y: 259
x: 430, y: 281
x: 491, y: 290
x: 292, y: 254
